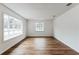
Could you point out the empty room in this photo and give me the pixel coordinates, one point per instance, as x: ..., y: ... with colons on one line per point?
x: 39, y: 28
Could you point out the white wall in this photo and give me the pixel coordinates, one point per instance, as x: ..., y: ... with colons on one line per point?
x: 66, y: 28
x: 48, y: 28
x: 7, y: 44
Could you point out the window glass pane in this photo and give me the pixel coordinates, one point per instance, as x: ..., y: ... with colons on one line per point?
x: 12, y: 27
x: 39, y: 26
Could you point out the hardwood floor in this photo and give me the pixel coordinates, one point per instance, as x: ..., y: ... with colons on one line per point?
x: 40, y: 46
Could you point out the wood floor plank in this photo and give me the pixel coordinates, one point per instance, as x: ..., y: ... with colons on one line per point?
x: 41, y: 46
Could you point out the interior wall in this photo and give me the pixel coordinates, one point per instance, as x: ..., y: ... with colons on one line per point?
x: 66, y: 28
x: 9, y: 43
x: 47, y: 24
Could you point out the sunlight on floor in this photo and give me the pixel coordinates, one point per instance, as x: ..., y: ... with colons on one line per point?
x: 40, y: 43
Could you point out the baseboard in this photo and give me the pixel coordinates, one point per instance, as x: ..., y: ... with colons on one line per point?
x: 40, y: 36
x: 66, y: 45
x: 13, y: 47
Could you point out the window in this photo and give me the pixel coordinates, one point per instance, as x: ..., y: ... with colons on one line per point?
x: 12, y: 27
x: 39, y: 27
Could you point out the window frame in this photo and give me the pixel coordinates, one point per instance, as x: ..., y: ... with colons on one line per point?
x: 12, y: 30
x: 39, y: 27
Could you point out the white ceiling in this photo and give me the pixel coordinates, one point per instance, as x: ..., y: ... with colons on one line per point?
x: 39, y: 11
